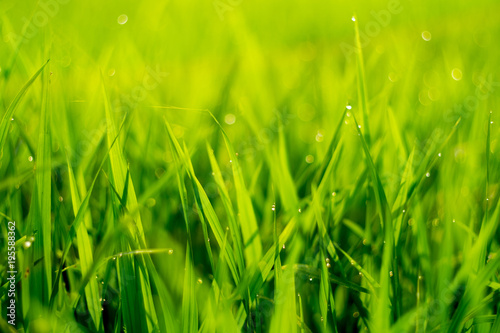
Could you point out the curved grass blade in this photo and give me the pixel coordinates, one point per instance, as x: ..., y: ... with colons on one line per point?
x: 4, y: 124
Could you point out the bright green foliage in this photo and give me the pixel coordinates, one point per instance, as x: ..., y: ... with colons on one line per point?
x: 254, y: 166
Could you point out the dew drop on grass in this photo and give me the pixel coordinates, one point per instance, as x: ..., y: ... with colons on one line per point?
x: 439, y: 155
x: 309, y: 159
x: 360, y: 274
x: 30, y: 158
x: 348, y: 107
x: 230, y: 119
x: 359, y: 126
x: 453, y: 221
x: 200, y: 281
x: 426, y: 35
x: 456, y: 74
x: 355, y: 314
x: 328, y: 265
x: 391, y: 274
x: 122, y: 19
x: 273, y: 207
x: 27, y: 244
x: 300, y: 210
x: 428, y: 174
x: 353, y: 18
x: 334, y: 194
x: 319, y: 136
x: 283, y: 246
x: 61, y: 199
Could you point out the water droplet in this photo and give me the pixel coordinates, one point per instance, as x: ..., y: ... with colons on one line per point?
x: 352, y: 262
x: 200, y: 281
x: 348, y: 114
x: 309, y: 159
x: 334, y: 194
x: 121, y: 254
x: 348, y: 107
x: 273, y: 207
x: 393, y: 77
x: 230, y: 119
x: 11, y: 119
x: 322, y: 319
x: 404, y: 210
x: 456, y: 74
x: 61, y: 199
x: 426, y: 35
x: 364, y: 242
x: 300, y: 210
x: 355, y: 314
x: 453, y: 221
x: 208, y: 240
x: 111, y: 72
x: 359, y: 126
x: 391, y: 274
x: 114, y: 258
x: 491, y: 122
x: 283, y: 246
x: 428, y: 174
x: 353, y: 18
x: 319, y: 136
x: 230, y: 161
x: 327, y: 259
x: 30, y: 158
x: 122, y: 19
x: 27, y: 244
x: 360, y: 274
x: 310, y: 279
x: 439, y: 155
x: 420, y: 277
x: 328, y: 265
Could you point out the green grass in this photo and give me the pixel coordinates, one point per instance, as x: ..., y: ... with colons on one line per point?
x: 250, y: 166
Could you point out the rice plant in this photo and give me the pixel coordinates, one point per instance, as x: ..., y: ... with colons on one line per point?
x: 249, y: 166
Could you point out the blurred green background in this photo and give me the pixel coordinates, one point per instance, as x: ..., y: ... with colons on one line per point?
x: 278, y: 77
